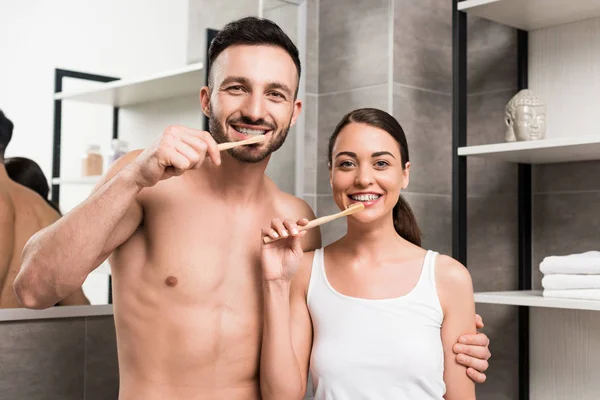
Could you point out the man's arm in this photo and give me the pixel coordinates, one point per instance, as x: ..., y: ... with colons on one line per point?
x: 57, y: 259
x: 7, y: 235
x: 455, y: 291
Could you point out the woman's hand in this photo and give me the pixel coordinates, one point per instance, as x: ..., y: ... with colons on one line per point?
x: 281, y: 258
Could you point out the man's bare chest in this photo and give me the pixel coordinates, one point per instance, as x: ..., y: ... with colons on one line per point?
x: 201, y: 250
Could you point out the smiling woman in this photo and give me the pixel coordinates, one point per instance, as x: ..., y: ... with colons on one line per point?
x: 372, y: 315
x: 365, y: 126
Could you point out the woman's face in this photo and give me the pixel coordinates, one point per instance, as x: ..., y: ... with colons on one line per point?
x: 366, y: 168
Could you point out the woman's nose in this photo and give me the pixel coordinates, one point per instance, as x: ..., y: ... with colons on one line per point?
x: 364, y: 177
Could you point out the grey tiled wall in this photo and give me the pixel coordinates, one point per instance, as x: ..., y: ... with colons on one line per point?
x: 427, y: 121
x: 353, y: 39
x: 423, y: 44
x: 422, y: 103
x: 212, y: 14
x: 353, y: 72
x: 67, y: 359
x: 311, y: 103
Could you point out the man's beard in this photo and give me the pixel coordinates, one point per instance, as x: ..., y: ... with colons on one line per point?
x: 240, y: 153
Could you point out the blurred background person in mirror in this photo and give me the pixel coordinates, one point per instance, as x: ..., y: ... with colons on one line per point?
x: 28, y: 173
x: 23, y: 212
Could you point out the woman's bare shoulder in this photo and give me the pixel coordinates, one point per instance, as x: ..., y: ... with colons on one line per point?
x: 451, y: 274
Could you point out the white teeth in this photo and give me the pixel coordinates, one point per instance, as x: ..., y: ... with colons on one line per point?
x: 365, y: 197
x: 247, y: 131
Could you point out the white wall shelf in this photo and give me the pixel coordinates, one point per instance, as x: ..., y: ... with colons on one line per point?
x: 533, y: 298
x: 532, y: 14
x: 85, y: 180
x: 127, y: 92
x: 547, y: 151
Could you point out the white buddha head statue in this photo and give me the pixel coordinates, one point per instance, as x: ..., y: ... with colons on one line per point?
x: 525, y: 117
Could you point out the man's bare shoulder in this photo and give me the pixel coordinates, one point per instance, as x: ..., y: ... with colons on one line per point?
x: 27, y: 199
x: 289, y: 205
x: 21, y: 196
x: 6, y: 203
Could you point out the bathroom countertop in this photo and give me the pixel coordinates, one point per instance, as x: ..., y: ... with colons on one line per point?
x: 20, y: 314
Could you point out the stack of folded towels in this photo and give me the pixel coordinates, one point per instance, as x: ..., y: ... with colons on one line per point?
x: 576, y: 276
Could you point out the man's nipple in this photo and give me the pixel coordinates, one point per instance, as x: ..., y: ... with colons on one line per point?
x: 171, y: 281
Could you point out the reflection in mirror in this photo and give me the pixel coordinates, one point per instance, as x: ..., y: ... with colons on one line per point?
x: 25, y: 209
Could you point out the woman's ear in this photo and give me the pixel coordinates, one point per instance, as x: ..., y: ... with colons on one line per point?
x: 406, y: 175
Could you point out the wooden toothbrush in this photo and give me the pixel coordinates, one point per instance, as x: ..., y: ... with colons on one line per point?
x: 354, y: 208
x: 250, y: 140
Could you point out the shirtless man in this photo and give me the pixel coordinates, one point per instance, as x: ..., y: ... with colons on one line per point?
x: 22, y: 213
x: 184, y: 223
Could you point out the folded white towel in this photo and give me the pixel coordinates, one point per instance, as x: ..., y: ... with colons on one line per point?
x: 582, y: 263
x: 585, y: 294
x: 568, y: 281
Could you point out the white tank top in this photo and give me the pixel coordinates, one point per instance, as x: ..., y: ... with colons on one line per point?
x: 370, y: 349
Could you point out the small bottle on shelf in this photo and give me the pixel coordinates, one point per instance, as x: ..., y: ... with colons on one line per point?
x: 92, y: 161
x: 118, y: 148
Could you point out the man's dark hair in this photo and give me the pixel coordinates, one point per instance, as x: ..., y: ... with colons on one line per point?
x: 251, y: 31
x: 6, y: 129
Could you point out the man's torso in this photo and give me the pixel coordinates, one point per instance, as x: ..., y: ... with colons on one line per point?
x: 188, y: 294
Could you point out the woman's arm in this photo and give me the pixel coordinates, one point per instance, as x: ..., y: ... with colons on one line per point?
x: 473, y: 352
x: 287, y: 330
x: 455, y: 291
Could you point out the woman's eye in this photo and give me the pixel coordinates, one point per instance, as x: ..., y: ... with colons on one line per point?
x: 381, y: 164
x: 346, y: 164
